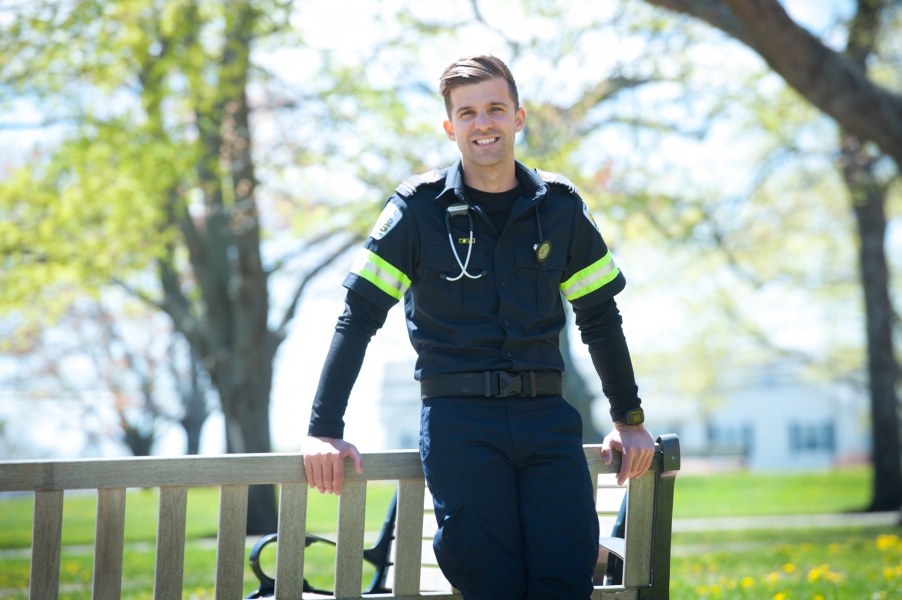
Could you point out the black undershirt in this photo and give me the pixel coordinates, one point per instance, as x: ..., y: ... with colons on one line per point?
x: 497, y: 206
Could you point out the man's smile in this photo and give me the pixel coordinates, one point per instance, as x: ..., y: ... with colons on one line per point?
x: 486, y: 141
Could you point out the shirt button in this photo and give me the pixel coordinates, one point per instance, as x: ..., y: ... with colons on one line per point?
x: 508, y: 354
x: 507, y: 322
x: 503, y: 284
x: 499, y: 244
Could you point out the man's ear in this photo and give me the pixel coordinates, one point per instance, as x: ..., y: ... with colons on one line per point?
x: 449, y: 130
x: 521, y: 119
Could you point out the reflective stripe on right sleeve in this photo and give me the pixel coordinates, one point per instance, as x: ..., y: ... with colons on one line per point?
x: 591, y: 278
x: 380, y: 273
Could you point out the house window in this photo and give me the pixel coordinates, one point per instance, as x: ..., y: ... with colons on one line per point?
x: 812, y: 437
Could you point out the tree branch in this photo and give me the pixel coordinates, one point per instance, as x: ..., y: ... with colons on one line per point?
x: 280, y: 332
x: 715, y: 14
x: 824, y: 77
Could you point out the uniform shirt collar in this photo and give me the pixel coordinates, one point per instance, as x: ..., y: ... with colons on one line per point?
x: 533, y: 185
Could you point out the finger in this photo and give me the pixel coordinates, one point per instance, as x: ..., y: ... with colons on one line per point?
x: 308, y: 470
x: 646, y: 462
x: 357, y: 458
x: 319, y: 475
x: 607, y: 455
x: 626, y: 467
x: 642, y: 463
x: 337, y: 474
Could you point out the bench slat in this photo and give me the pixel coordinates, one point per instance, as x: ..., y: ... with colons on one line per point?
x: 411, y: 493
x: 243, y: 469
x: 170, y: 563
x: 349, y: 550
x: 292, y: 528
x: 109, y: 540
x: 230, y: 542
x: 47, y: 532
x: 640, y: 512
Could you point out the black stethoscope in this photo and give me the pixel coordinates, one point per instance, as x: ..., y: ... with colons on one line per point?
x: 542, y: 248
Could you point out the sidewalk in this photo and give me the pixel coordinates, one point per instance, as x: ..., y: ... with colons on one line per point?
x: 880, y: 519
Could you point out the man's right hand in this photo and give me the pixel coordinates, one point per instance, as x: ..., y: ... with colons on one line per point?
x: 323, y: 462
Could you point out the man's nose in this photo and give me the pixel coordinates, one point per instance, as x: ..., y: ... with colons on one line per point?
x: 483, y: 121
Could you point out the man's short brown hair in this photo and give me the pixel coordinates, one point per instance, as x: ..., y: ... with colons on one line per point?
x: 475, y: 69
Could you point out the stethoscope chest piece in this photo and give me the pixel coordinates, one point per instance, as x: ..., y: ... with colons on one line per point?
x: 542, y: 251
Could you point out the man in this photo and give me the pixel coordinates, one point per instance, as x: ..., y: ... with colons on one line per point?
x: 481, y: 253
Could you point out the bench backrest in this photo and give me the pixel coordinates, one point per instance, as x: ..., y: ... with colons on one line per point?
x: 646, y: 547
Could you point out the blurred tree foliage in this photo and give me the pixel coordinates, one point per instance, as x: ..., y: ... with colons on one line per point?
x: 157, y: 184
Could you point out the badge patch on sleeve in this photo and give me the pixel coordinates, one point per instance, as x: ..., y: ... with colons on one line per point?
x: 589, y: 216
x: 390, y: 217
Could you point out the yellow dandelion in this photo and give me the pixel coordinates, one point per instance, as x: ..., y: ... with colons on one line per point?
x: 781, y: 596
x: 832, y: 576
x: 703, y: 590
x: 773, y: 577
x: 818, y: 597
x: 789, y: 568
x: 747, y: 582
x: 887, y: 541
x: 814, y: 574
x: 888, y: 572
x: 715, y: 589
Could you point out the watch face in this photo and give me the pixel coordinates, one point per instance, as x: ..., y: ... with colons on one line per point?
x: 635, y: 416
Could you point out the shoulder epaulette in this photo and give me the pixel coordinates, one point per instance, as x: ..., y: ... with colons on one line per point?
x: 408, y: 188
x: 557, y: 179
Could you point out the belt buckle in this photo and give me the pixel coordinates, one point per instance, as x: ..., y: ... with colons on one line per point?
x: 509, y: 384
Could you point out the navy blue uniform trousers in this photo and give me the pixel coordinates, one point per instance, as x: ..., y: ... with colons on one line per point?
x: 513, y: 497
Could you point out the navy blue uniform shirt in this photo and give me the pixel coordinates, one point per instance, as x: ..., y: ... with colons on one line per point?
x: 511, y: 318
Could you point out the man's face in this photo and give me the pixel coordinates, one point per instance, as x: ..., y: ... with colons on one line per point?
x: 484, y: 122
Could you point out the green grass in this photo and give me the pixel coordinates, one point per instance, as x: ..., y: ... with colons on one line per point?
x: 820, y: 564
x: 138, y: 572
x: 749, y: 494
x: 79, y: 511
x: 827, y: 564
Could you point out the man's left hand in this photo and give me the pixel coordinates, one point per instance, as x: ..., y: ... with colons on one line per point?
x: 636, y: 445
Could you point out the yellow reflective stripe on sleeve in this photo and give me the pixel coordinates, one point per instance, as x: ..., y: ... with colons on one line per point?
x: 591, y: 278
x: 381, y: 274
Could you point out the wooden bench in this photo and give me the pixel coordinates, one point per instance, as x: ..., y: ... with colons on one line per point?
x: 646, y: 548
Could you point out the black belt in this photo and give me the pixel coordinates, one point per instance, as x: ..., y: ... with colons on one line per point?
x: 493, y: 384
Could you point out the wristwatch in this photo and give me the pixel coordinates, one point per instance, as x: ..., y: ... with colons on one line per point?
x: 635, y: 416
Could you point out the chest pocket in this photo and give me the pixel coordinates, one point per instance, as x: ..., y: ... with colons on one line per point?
x: 539, y: 284
x: 462, y: 297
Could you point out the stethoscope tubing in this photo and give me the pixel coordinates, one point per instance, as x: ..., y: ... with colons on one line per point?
x: 542, y: 248
x: 463, y: 266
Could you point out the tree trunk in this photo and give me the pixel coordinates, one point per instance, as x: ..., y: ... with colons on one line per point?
x: 868, y: 201
x: 194, y: 401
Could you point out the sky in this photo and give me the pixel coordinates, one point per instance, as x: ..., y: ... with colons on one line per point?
x: 348, y: 27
